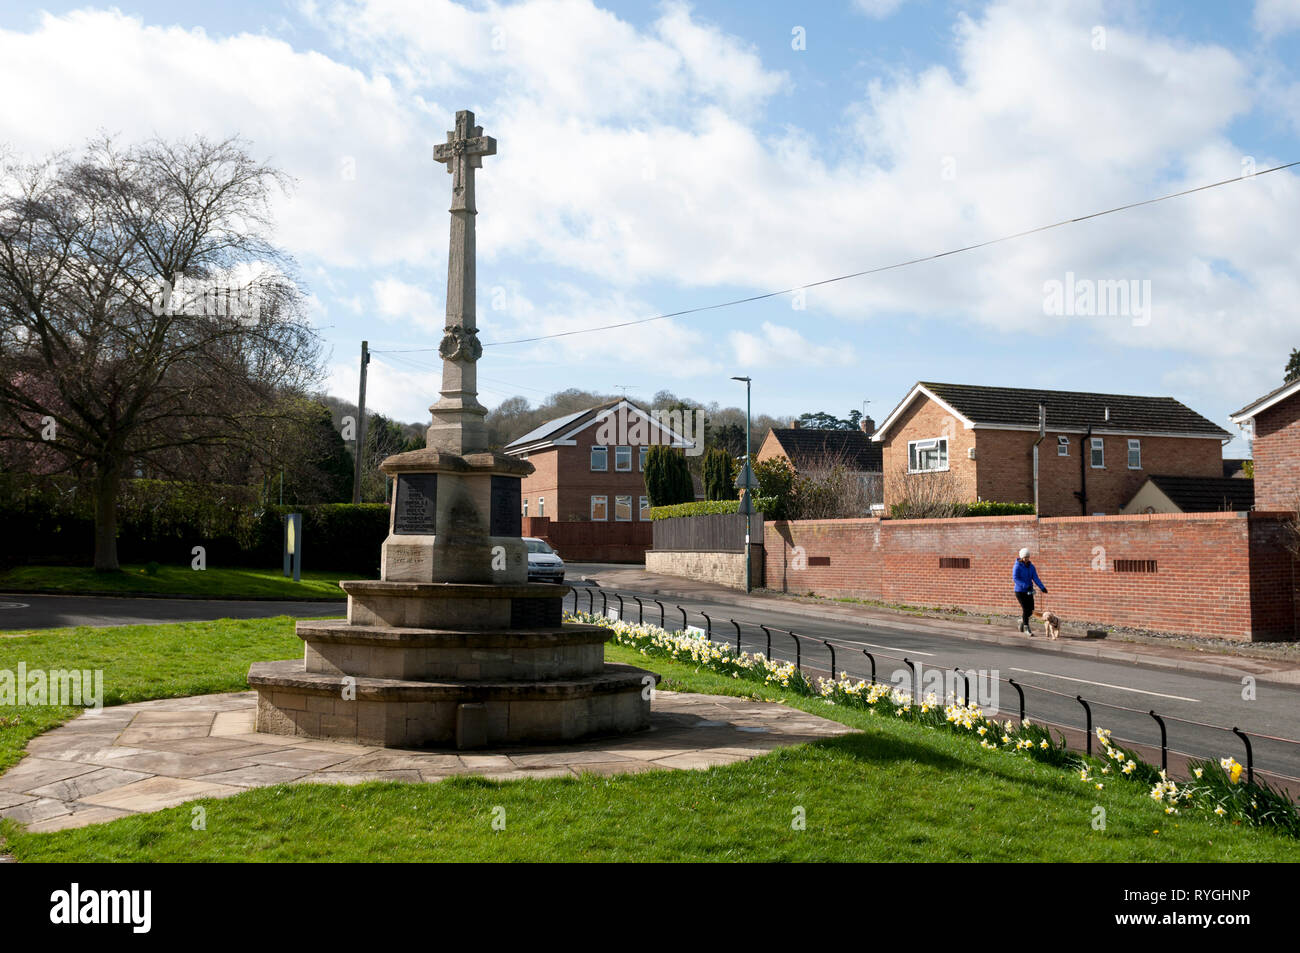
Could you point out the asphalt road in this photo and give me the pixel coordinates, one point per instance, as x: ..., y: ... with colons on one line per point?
x: 23, y: 612
x: 1050, y: 680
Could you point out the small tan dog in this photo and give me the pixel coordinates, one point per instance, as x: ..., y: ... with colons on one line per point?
x: 1052, y: 622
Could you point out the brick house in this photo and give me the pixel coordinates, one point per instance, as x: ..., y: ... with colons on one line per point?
x: 589, y: 466
x: 804, y: 446
x: 1274, y: 422
x: 1184, y: 494
x: 1098, y: 451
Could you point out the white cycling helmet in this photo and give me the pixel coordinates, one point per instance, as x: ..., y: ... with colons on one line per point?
x: 1024, y: 553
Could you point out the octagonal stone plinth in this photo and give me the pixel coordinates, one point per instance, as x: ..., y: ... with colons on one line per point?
x: 450, y: 605
x: 403, y: 713
x: 566, y: 651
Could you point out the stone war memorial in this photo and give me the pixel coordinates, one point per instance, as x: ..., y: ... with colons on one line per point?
x: 452, y: 646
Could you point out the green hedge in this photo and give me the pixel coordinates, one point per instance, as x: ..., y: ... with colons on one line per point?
x: 982, y: 508
x: 990, y: 508
x: 707, y: 507
x: 50, y: 521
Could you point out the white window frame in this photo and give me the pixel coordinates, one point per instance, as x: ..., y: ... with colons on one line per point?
x: 604, y: 452
x: 938, y: 445
x: 541, y: 507
x: 643, y: 510
x: 1062, y: 445
x: 620, y: 519
x: 641, y: 459
x: 604, y: 502
x: 525, y: 506
x: 618, y: 454
x: 1096, y: 446
x: 1134, y: 446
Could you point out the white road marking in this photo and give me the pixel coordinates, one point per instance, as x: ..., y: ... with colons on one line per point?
x: 1122, y: 688
x: 895, y: 648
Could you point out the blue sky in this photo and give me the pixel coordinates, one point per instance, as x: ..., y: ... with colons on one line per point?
x: 656, y: 157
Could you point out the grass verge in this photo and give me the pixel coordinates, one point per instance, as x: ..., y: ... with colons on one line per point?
x: 212, y: 583
x: 895, y: 791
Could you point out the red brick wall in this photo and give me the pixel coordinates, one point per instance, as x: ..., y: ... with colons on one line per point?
x: 1276, y: 450
x: 593, y: 542
x: 1218, y: 574
x: 1003, y: 470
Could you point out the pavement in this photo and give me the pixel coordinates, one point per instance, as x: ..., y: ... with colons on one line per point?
x: 1200, y: 696
x: 637, y: 579
x: 147, y: 756
x: 26, y: 612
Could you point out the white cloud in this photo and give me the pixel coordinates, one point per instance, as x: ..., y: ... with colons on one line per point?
x: 1274, y: 17
x: 631, y: 156
x: 398, y: 301
x: 401, y: 393
x: 630, y: 355
x: 357, y: 147
x: 785, y: 347
x: 879, y: 9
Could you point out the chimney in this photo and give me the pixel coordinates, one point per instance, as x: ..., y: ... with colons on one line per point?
x: 868, y: 426
x: 794, y: 425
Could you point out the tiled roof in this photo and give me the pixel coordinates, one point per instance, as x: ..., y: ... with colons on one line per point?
x: 1073, y: 410
x: 1207, y: 494
x: 807, y: 446
x: 1272, y: 397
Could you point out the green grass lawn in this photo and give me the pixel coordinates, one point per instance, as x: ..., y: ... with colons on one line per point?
x: 214, y: 583
x: 894, y: 791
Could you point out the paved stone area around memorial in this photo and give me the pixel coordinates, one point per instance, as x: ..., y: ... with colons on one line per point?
x: 147, y: 756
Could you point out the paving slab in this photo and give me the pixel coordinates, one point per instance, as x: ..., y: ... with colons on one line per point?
x: 148, y: 756
x: 157, y: 793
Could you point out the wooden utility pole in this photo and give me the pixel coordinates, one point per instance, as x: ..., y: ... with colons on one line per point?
x: 360, y: 428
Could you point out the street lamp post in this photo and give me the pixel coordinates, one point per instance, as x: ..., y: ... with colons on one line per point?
x: 746, y: 482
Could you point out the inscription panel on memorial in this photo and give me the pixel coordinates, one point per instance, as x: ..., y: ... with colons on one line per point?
x: 507, y: 519
x: 415, y: 504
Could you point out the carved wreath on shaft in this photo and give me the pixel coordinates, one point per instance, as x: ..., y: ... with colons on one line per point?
x: 460, y: 344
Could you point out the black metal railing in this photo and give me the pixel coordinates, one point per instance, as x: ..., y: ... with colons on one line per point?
x: 1162, y: 720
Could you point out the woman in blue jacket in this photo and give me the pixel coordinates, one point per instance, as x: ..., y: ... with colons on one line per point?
x: 1024, y: 575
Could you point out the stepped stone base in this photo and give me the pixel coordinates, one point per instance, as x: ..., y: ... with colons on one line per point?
x: 455, y: 714
x: 450, y: 605
x: 562, y: 651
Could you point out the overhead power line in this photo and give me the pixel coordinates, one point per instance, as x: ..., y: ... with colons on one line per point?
x: 870, y: 271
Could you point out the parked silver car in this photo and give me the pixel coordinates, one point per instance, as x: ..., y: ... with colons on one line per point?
x: 544, y: 563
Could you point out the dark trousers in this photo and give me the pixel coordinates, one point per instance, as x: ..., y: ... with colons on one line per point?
x: 1026, y: 600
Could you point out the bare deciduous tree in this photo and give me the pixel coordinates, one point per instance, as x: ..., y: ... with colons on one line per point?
x: 829, y: 487
x: 119, y: 342
x: 928, y: 495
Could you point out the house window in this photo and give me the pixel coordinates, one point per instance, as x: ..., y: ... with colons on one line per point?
x: 927, y: 455
x: 622, y: 459
x: 525, y: 506
x: 623, y: 509
x: 1062, y: 446
x: 599, y: 508
x: 1098, y: 454
x: 599, y: 459
x: 541, y: 506
x: 1135, y: 454
x: 641, y: 463
x: 645, y: 508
